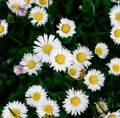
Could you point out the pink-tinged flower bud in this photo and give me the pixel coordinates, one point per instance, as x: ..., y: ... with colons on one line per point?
x: 18, y: 70
x: 22, y: 11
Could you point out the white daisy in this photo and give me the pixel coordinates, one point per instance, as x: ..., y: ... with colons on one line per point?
x: 31, y: 63
x: 66, y: 28
x: 94, y: 79
x: 81, y: 56
x: 114, y: 66
x: 38, y: 15
x: 48, y: 108
x: 113, y: 114
x: 15, y: 109
x: 3, y: 27
x: 101, y: 50
x: 60, y: 59
x: 44, y: 45
x: 35, y: 95
x: 76, y: 102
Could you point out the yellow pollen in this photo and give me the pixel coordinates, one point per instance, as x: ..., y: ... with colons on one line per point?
x: 81, y: 57
x: 118, y: 16
x: 72, y: 71
x: 93, y: 79
x: 43, y: 2
x: 16, y: 6
x: 116, y: 67
x: 15, y: 114
x: 47, y: 48
x: 82, y: 74
x: 101, y: 106
x: 1, y: 28
x: 65, y: 28
x: 31, y: 64
x: 112, y: 116
x: 38, y: 16
x: 117, y: 33
x: 60, y: 59
x: 36, y: 96
x: 98, y: 51
x: 48, y: 109
x: 27, y: 1
x: 75, y: 101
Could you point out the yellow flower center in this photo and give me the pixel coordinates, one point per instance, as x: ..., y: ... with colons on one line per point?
x: 48, y: 109
x: 38, y: 16
x: 65, y: 28
x: 1, y: 28
x: 27, y: 1
x: 116, y: 67
x: 72, y: 71
x: 47, y: 48
x: 60, y: 59
x: 93, y: 79
x: 31, y: 64
x: 98, y: 51
x: 117, y: 33
x: 101, y: 106
x: 75, y: 101
x: 43, y: 2
x: 15, y: 113
x: 81, y: 57
x: 36, y: 96
x: 118, y: 16
x: 16, y: 6
x: 82, y: 74
x: 112, y: 116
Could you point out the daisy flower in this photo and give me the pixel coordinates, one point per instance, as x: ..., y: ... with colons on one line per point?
x: 101, y: 50
x: 3, y: 27
x: 44, y: 45
x: 114, y: 66
x: 81, y: 56
x: 76, y: 102
x: 15, y: 109
x: 94, y: 79
x: 113, y: 114
x: 48, y: 108
x: 60, y: 59
x: 66, y: 28
x: 38, y: 15
x: 31, y: 63
x: 35, y: 95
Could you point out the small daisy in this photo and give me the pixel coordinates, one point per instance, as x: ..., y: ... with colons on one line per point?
x: 35, y: 95
x: 114, y: 66
x: 94, y: 79
x: 113, y: 114
x: 3, y: 27
x: 81, y: 56
x: 44, y: 45
x: 31, y: 63
x: 101, y: 50
x: 15, y: 109
x: 76, y: 102
x: 38, y: 15
x: 66, y: 28
x: 60, y: 59
x: 48, y: 108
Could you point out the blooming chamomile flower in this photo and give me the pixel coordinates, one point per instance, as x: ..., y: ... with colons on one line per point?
x: 44, y: 45
x: 60, y: 59
x: 81, y: 56
x: 94, y: 79
x: 101, y: 50
x: 3, y: 27
x: 31, y: 63
x: 38, y: 15
x: 66, y: 28
x: 48, y: 108
x: 35, y: 95
x: 76, y: 102
x: 113, y: 114
x: 114, y: 66
x: 15, y: 109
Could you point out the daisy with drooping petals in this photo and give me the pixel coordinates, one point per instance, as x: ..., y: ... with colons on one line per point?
x: 31, y: 63
x: 44, y: 45
x: 48, y: 108
x: 81, y: 56
x: 38, y: 15
x: 3, y: 27
x: 15, y: 109
x: 76, y: 102
x: 60, y: 59
x: 113, y: 114
x: 35, y: 95
x: 94, y: 79
x: 66, y: 28
x: 114, y: 66
x: 101, y: 50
